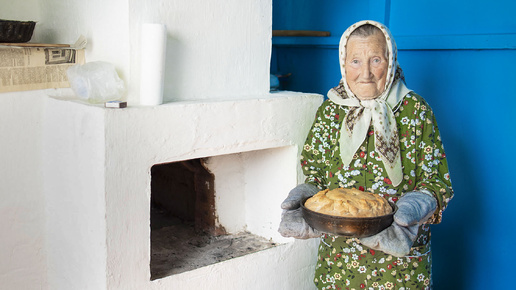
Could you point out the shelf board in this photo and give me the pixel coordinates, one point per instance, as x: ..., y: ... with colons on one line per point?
x: 306, y: 41
x: 420, y: 42
x: 303, y: 33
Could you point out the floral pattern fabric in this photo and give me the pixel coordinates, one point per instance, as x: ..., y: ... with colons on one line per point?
x: 343, y: 262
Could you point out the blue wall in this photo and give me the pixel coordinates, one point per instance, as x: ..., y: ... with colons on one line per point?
x: 461, y: 57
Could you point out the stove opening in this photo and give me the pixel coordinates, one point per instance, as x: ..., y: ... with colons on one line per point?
x: 184, y: 191
x: 185, y: 230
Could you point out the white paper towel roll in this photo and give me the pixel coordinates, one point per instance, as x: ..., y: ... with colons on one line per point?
x: 153, y: 52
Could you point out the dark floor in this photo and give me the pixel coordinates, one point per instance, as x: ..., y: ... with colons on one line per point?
x: 177, y: 248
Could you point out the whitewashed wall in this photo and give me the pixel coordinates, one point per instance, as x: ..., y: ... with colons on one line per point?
x: 22, y: 219
x: 105, y: 24
x: 216, y: 50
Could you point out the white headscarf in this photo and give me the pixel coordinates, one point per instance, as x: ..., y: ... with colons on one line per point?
x: 378, y: 111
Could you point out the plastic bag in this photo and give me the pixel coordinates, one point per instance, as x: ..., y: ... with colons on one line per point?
x: 96, y: 82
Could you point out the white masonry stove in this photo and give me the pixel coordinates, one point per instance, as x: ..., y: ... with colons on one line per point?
x: 183, y: 195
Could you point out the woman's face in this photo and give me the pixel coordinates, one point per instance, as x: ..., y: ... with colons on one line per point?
x: 366, y: 65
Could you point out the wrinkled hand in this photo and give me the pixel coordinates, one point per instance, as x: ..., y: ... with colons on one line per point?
x: 292, y: 222
x: 414, y: 208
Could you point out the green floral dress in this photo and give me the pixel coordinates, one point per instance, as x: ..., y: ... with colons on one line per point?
x: 343, y: 262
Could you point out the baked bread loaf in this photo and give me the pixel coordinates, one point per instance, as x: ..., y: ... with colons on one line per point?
x: 348, y: 202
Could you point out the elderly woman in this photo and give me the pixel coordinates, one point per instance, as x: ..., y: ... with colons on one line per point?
x: 374, y: 134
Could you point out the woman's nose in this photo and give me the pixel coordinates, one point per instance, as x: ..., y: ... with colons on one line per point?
x: 366, y: 70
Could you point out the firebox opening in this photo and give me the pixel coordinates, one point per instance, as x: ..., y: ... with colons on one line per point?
x: 185, y: 233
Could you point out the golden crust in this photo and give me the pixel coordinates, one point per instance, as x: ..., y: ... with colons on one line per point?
x: 348, y: 202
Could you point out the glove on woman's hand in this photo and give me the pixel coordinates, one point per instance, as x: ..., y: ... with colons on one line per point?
x: 296, y: 195
x: 293, y: 225
x: 395, y: 240
x: 414, y: 208
x: 292, y: 222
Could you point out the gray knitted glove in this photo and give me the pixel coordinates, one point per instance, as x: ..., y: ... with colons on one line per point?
x: 296, y: 195
x: 292, y: 224
x: 414, y: 208
x: 395, y: 240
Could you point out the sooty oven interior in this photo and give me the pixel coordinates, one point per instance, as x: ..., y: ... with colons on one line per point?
x: 185, y: 232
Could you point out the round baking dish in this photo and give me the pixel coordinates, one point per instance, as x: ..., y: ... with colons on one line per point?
x: 348, y: 226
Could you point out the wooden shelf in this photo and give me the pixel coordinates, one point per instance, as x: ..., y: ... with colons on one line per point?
x: 301, y: 33
x: 421, y: 42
